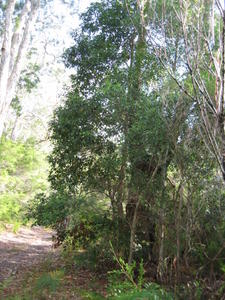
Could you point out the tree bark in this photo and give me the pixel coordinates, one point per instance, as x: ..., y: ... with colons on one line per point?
x: 178, y: 230
x: 133, y: 231
x: 13, y: 52
x: 221, y: 108
x: 161, y: 267
x: 5, y: 57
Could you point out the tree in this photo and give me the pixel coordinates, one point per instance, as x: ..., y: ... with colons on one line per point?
x: 18, y: 23
x: 188, y: 39
x: 99, y: 139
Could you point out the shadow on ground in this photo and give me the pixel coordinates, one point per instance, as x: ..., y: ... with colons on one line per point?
x: 28, y: 247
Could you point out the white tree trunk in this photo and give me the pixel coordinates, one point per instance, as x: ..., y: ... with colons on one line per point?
x: 200, y: 53
x: 13, y: 51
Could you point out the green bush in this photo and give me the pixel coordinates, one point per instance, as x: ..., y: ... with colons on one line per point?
x: 9, y: 207
x: 48, y: 210
x: 154, y: 291
x: 22, y: 174
x: 49, y: 281
x: 123, y: 284
x: 81, y: 222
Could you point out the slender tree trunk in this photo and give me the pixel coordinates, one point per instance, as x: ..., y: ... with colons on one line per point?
x: 160, y: 267
x: 133, y: 231
x: 3, y: 116
x: 13, y: 132
x: 13, y: 52
x: 221, y: 115
x: 178, y: 229
x: 188, y: 229
x: 5, y: 60
x: 138, y: 52
x: 120, y: 197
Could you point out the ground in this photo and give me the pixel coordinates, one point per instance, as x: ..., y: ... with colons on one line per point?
x: 22, y: 250
x: 32, y: 269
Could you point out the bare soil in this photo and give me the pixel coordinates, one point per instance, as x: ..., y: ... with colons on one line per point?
x: 24, y: 249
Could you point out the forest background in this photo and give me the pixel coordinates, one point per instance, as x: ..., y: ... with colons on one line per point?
x: 135, y: 146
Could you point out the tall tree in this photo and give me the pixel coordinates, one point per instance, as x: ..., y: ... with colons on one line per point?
x: 109, y: 97
x: 188, y: 39
x: 18, y: 21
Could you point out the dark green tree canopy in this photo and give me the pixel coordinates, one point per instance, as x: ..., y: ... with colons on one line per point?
x: 129, y: 140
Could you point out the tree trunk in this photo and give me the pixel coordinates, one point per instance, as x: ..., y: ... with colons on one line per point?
x: 188, y: 229
x: 178, y: 229
x: 133, y: 231
x: 160, y: 267
x: 221, y: 107
x: 13, y: 52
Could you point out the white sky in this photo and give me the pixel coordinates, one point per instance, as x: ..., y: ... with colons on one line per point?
x: 54, y: 38
x: 83, y: 4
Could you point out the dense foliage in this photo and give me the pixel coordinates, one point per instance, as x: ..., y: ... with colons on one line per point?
x: 22, y: 175
x: 129, y: 162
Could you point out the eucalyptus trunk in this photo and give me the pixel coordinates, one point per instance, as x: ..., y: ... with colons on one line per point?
x: 13, y: 51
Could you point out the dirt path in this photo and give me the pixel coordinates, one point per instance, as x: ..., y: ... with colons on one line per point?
x: 20, y: 251
x: 30, y: 266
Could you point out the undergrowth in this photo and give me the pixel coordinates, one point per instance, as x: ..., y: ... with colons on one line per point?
x: 22, y: 174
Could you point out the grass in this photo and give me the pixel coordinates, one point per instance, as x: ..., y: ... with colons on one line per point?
x: 89, y: 295
x: 11, y: 225
x: 55, y: 279
x: 51, y: 280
